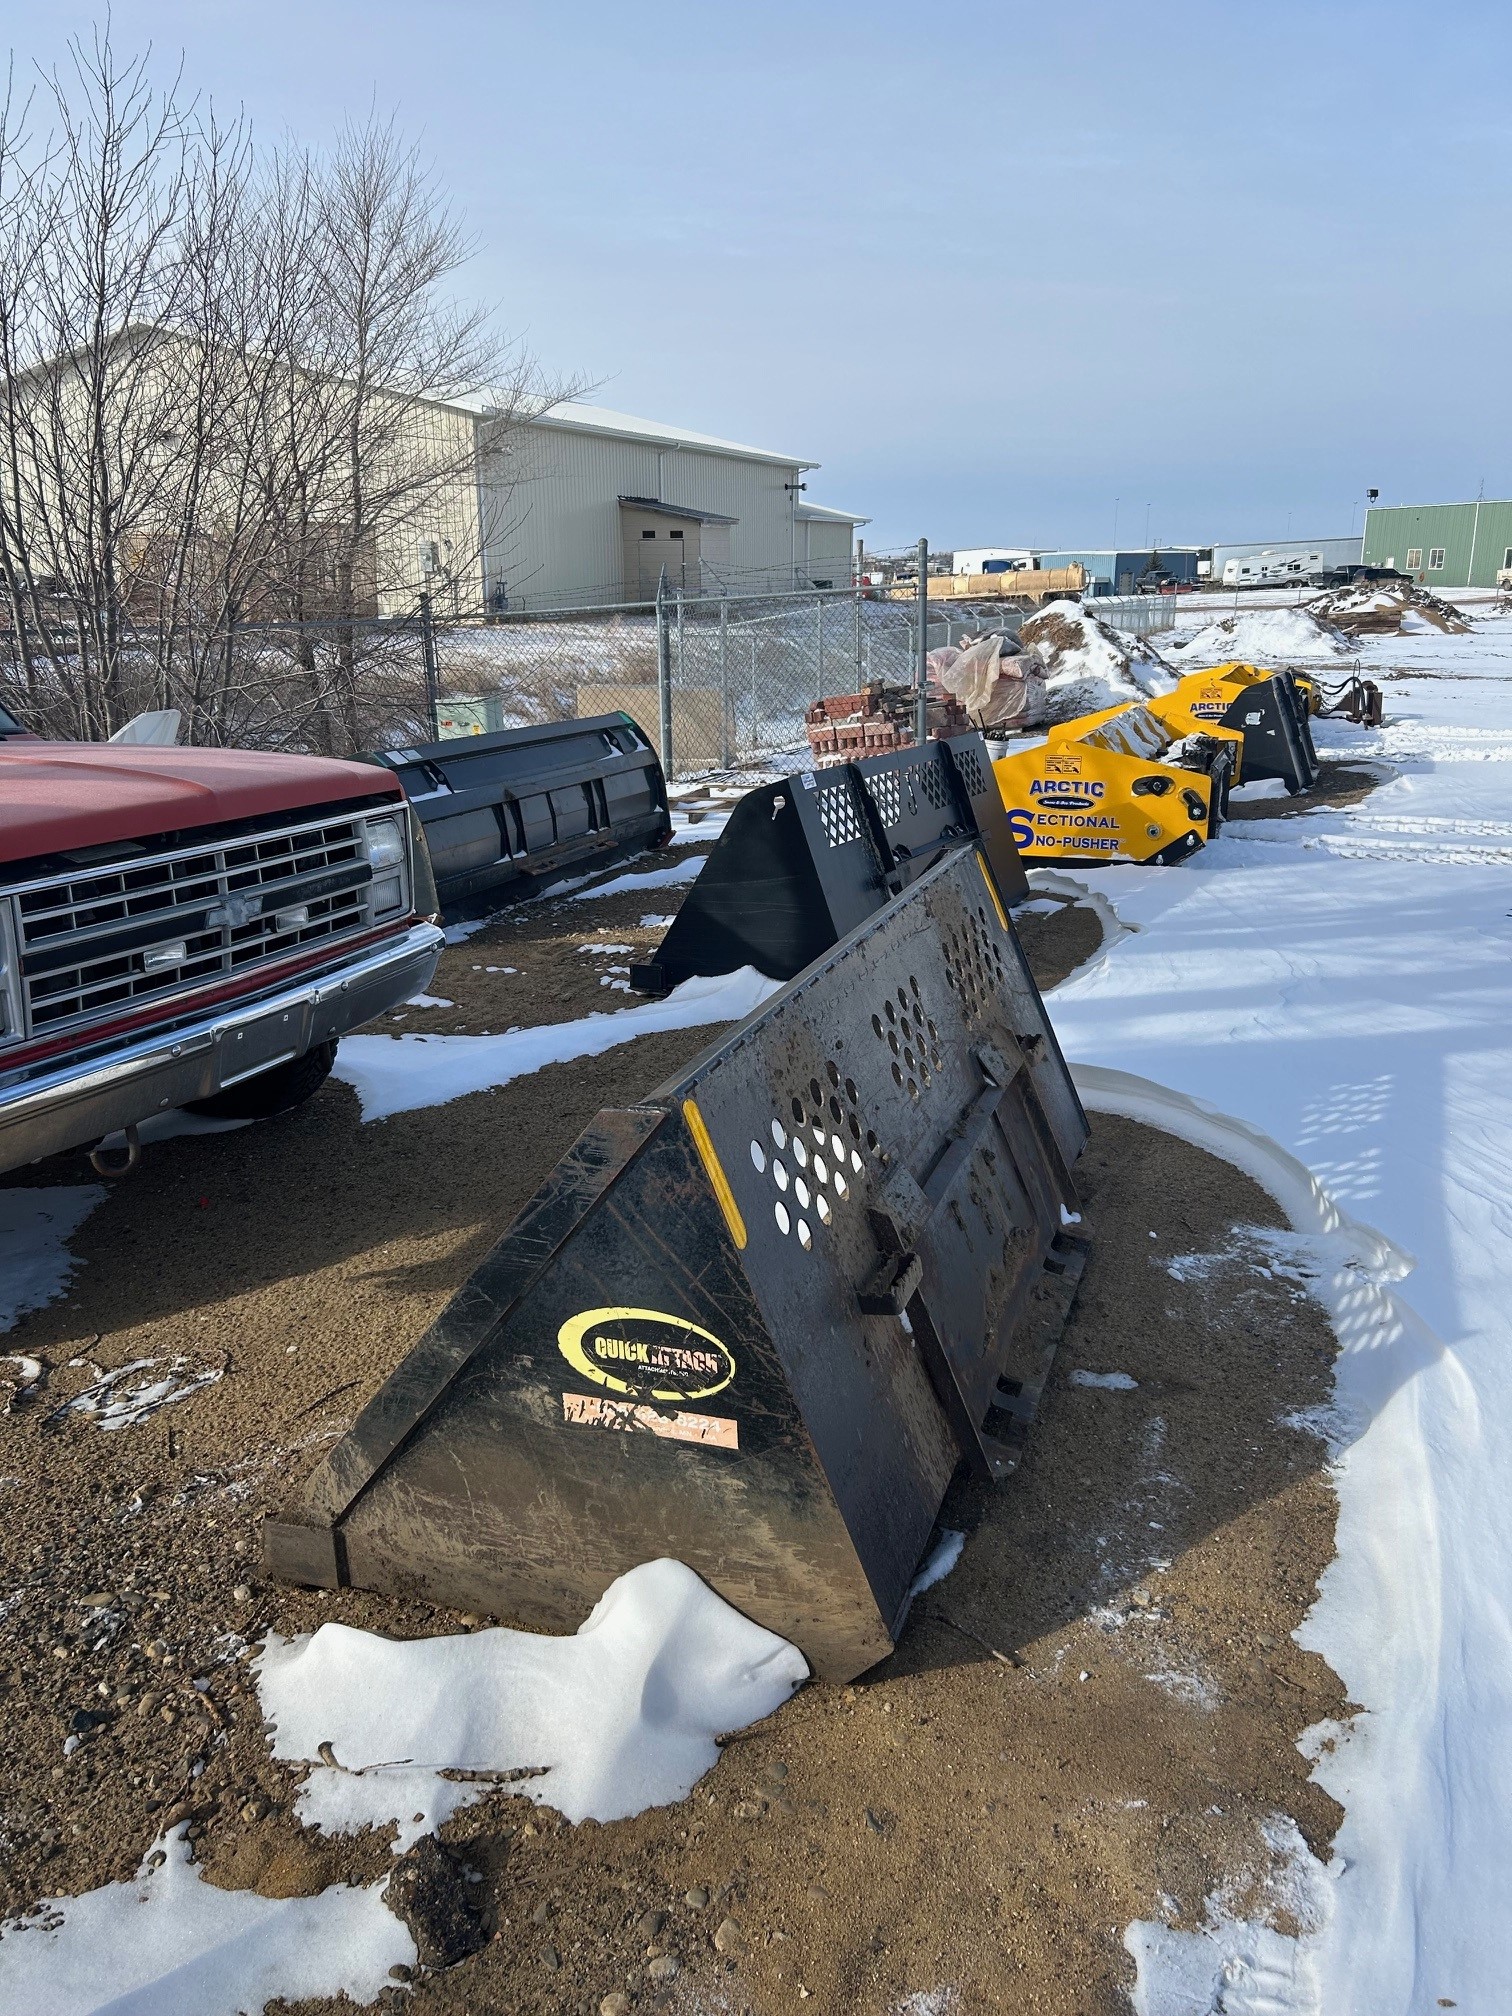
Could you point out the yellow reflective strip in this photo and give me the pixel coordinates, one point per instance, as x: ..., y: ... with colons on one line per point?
x: 992, y: 889
x: 714, y: 1170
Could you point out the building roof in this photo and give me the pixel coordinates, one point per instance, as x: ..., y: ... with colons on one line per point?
x: 824, y: 514
x: 665, y: 510
x: 573, y: 415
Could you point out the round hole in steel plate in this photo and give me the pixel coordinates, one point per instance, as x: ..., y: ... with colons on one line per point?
x: 801, y: 1192
x: 800, y: 1153
x: 779, y: 1134
x: 758, y: 1158
x: 780, y: 1174
x: 780, y: 1211
x: 805, y: 1237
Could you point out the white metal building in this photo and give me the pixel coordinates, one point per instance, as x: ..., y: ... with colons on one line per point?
x: 585, y: 505
x: 974, y: 559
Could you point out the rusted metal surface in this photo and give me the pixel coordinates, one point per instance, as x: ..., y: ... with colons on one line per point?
x: 756, y: 1321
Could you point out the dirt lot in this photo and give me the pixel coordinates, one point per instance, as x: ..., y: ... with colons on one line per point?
x: 1338, y: 784
x: 1087, y: 1722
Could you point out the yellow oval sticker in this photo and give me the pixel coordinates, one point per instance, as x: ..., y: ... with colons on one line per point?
x: 646, y: 1353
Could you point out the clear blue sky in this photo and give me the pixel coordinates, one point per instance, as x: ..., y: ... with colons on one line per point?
x: 995, y: 268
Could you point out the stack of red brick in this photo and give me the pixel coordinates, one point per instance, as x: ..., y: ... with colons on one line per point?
x: 850, y: 725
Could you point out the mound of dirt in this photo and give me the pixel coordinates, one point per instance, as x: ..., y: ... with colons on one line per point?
x: 1090, y: 665
x: 1263, y: 637
x: 1373, y: 610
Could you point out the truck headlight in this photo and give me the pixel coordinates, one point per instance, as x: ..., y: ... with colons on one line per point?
x: 385, y: 843
x: 388, y: 854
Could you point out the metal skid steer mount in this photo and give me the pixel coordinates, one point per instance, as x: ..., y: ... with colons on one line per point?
x: 802, y: 862
x: 754, y: 1322
x: 526, y: 804
x: 1272, y: 717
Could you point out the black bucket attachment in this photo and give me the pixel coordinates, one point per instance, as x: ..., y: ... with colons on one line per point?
x: 525, y: 805
x: 802, y: 862
x: 753, y: 1323
x: 1272, y: 717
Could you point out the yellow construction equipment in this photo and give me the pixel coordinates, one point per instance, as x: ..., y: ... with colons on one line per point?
x: 1123, y: 785
x: 1267, y: 709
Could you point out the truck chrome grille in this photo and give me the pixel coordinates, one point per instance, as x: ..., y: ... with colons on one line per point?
x: 109, y: 936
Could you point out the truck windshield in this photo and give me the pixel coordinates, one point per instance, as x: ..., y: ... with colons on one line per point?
x: 9, y: 726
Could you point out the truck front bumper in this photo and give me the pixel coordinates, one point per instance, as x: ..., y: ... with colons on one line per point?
x: 70, y: 1104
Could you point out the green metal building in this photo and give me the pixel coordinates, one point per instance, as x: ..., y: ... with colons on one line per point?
x: 1442, y: 545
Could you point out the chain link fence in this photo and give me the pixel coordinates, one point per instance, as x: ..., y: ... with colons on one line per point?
x: 736, y: 673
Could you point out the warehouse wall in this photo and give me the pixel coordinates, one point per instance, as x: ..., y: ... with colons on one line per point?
x: 1476, y: 539
x: 551, y: 509
x: 826, y: 550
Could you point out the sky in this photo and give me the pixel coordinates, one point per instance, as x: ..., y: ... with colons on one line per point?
x: 1021, y: 276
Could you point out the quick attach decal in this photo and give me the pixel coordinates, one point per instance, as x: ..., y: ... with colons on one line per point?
x: 646, y: 1354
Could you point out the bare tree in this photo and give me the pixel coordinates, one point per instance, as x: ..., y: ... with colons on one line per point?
x: 229, y: 436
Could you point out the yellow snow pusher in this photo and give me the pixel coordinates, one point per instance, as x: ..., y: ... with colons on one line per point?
x: 1123, y: 785
x: 1268, y: 709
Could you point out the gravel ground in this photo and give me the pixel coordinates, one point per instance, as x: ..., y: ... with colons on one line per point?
x: 1094, y: 1712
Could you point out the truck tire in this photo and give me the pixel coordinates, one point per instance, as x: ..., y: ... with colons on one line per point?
x: 272, y: 1091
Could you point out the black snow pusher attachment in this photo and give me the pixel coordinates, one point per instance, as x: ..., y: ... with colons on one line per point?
x: 1268, y: 708
x: 754, y: 1322
x: 524, y: 805
x: 802, y: 862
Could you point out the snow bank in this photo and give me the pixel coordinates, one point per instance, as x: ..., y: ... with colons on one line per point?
x: 1392, y: 609
x: 1090, y: 665
x: 619, y: 1717
x: 396, y: 1074
x: 1328, y: 1004
x: 35, y: 1227
x: 169, y: 1944
x: 1261, y: 637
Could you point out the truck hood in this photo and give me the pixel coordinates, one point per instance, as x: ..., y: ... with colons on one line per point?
x: 59, y: 796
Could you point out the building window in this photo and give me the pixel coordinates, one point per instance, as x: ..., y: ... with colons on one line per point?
x: 674, y: 535
x: 648, y: 535
x: 1414, y: 558
x: 1507, y: 557
x: 1435, y: 559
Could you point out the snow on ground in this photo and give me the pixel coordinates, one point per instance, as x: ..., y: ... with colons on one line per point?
x: 35, y: 1227
x: 169, y: 1944
x: 1260, y: 637
x: 395, y: 1074
x: 620, y: 1716
x: 943, y: 1557
x: 1327, y: 1000
x: 686, y: 870
x: 1238, y: 1966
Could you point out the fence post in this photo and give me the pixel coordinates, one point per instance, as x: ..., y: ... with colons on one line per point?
x: 921, y: 709
x: 860, y: 682
x: 726, y: 721
x: 664, y: 675
x: 819, y: 659
x: 432, y: 670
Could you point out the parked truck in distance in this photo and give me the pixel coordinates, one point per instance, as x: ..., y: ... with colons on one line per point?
x: 192, y: 927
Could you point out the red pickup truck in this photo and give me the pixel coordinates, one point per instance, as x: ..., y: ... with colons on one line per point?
x: 192, y: 927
